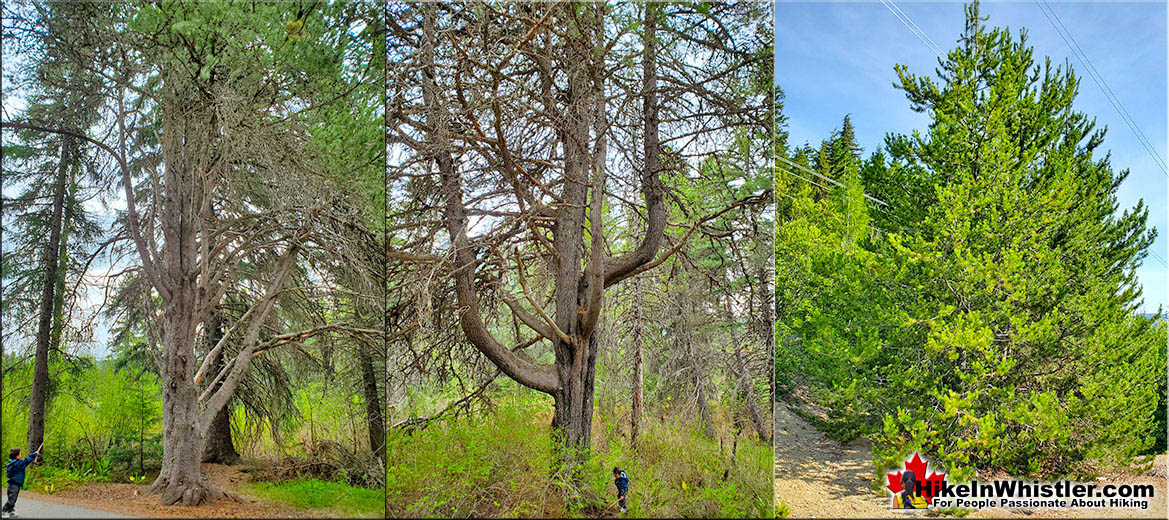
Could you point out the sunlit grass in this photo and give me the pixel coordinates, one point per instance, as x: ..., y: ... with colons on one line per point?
x: 321, y: 494
x: 499, y: 465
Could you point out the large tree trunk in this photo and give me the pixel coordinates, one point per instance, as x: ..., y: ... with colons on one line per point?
x: 185, y: 148
x: 373, y: 405
x: 40, y: 381
x: 181, y: 478
x: 219, y: 447
x: 577, y: 296
x: 572, y: 422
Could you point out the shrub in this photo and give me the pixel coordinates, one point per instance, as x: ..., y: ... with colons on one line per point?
x: 498, y: 466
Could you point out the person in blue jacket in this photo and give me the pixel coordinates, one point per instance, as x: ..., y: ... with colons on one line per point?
x: 15, y: 474
x: 622, y: 482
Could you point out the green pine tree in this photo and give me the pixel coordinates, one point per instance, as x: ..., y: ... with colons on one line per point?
x: 991, y: 323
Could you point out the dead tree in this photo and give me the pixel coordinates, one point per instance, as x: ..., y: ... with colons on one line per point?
x: 529, y: 120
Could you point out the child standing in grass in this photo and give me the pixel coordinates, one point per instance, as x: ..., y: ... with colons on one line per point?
x: 622, y: 482
x: 15, y: 474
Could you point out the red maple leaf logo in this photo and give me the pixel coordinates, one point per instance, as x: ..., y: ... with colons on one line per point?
x: 917, y: 465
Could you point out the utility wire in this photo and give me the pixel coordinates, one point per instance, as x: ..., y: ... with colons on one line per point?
x: 1082, y: 57
x: 1111, y: 96
x: 829, y: 179
x: 1077, y: 51
x: 870, y: 224
x: 913, y: 28
x: 798, y: 176
x: 826, y: 188
x: 1157, y: 256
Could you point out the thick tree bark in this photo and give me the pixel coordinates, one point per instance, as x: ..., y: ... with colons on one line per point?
x: 219, y: 447
x: 575, y: 362
x: 572, y: 420
x: 181, y: 479
x: 184, y: 151
x: 373, y: 405
x: 49, y: 263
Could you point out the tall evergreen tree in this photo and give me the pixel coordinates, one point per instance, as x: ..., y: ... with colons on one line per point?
x: 996, y: 325
x: 48, y: 213
x: 1024, y: 263
x: 227, y: 133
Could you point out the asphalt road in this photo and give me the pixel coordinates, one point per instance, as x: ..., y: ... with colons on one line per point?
x: 28, y: 508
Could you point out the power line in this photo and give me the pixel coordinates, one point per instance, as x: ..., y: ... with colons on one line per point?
x: 1077, y: 51
x: 829, y: 179
x: 869, y: 224
x: 913, y: 28
x: 1111, y: 96
x: 1157, y: 256
x: 1082, y: 57
x: 821, y: 186
x: 814, y: 183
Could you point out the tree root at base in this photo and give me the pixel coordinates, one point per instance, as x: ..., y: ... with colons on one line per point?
x: 187, y: 493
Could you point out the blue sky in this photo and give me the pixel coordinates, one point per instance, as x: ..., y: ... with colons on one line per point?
x: 837, y: 58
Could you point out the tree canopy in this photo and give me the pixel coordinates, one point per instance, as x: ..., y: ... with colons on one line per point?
x: 985, y: 311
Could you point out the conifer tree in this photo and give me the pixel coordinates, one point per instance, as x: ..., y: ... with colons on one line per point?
x: 50, y: 228
x: 1024, y: 268
x: 989, y: 321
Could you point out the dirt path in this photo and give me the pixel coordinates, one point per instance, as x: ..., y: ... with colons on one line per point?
x: 818, y: 477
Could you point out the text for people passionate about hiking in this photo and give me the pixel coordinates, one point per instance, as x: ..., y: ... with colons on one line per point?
x: 1017, y: 493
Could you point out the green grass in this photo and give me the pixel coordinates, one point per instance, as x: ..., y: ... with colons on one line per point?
x: 321, y: 494
x: 51, y: 479
x: 782, y: 511
x: 497, y: 465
